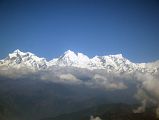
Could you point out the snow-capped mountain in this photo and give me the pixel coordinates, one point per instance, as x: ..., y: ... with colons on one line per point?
x: 19, y: 59
x: 69, y: 58
x: 115, y: 63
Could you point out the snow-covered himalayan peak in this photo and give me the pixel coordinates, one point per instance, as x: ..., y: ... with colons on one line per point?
x: 110, y: 63
x: 69, y: 58
x: 115, y: 63
x: 19, y: 59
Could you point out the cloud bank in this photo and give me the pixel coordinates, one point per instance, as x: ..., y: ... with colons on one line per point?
x: 147, y: 84
x: 148, y: 91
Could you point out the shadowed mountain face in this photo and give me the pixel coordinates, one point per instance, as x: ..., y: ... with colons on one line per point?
x: 74, y: 86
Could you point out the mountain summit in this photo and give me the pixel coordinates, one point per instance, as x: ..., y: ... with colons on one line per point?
x: 111, y: 63
x: 19, y: 59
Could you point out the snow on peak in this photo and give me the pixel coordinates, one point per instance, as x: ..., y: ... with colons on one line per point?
x: 68, y: 52
x: 17, y: 51
x: 70, y: 58
x: 117, y: 62
x: 82, y: 57
x: 70, y: 55
x: 77, y: 56
x: 18, y: 59
x: 120, y: 56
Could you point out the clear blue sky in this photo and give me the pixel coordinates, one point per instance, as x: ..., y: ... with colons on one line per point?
x: 94, y: 27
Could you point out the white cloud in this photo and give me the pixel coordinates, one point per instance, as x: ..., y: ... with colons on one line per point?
x: 16, y: 73
x: 106, y: 82
x: 95, y: 118
x: 148, y: 91
x: 69, y: 78
x: 148, y: 84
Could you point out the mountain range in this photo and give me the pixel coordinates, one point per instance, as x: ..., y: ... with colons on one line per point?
x: 111, y: 63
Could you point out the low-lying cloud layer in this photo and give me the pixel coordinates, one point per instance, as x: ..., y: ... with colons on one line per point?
x: 148, y: 91
x: 147, y: 84
x: 105, y: 82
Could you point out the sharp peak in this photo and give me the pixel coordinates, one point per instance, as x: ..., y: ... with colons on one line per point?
x: 17, y: 51
x: 69, y: 51
x: 117, y: 55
